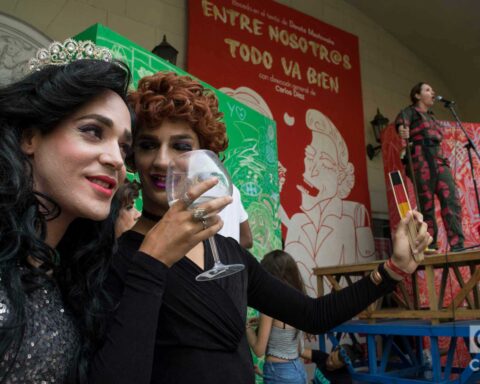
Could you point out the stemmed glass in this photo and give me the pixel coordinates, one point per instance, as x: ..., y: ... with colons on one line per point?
x: 189, y: 169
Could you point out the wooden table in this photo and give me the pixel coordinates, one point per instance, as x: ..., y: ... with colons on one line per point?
x: 465, y: 303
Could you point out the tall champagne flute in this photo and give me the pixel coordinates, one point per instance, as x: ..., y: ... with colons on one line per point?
x: 189, y: 169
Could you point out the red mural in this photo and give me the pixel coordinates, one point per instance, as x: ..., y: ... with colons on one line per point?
x: 306, y: 75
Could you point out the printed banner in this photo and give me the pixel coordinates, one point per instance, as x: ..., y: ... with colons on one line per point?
x: 305, y: 74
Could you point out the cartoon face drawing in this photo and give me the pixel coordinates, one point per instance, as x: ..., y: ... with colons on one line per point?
x: 326, y: 229
x: 321, y: 174
x: 330, y: 230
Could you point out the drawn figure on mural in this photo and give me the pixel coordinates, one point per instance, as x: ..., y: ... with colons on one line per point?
x: 329, y: 230
x: 250, y: 98
x: 248, y: 163
x: 250, y: 169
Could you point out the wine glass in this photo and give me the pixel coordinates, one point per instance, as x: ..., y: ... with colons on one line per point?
x: 189, y: 169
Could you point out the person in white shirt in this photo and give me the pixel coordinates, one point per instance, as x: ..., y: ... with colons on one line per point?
x: 235, y: 221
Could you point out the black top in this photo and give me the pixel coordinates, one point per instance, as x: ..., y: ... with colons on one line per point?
x: 169, y: 328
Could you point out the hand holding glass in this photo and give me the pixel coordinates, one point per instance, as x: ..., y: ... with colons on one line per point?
x: 191, y: 168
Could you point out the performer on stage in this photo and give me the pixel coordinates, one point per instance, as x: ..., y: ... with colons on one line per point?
x: 417, y: 124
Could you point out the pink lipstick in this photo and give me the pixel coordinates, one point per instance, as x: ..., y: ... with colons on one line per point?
x: 103, y: 184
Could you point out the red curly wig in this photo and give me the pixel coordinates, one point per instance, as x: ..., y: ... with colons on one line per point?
x: 168, y: 96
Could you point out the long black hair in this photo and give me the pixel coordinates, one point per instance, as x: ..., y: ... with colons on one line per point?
x: 41, y: 101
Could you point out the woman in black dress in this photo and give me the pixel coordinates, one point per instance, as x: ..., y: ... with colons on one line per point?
x: 187, y: 331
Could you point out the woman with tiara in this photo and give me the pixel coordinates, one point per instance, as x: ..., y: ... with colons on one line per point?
x: 66, y: 130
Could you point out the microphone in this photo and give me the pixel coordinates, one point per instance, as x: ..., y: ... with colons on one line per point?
x: 445, y: 101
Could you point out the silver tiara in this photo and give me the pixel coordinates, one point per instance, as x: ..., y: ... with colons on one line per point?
x: 67, y: 52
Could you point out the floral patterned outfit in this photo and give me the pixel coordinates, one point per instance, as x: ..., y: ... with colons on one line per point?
x: 432, y: 174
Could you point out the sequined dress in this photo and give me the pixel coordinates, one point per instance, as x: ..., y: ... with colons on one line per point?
x: 51, y: 338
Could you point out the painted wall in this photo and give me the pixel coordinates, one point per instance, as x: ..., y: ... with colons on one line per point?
x: 388, y: 69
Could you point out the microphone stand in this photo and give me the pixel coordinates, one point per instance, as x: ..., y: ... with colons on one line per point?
x: 470, y: 146
x: 410, y: 165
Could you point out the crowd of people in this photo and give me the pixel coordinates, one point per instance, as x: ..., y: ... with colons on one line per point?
x: 79, y: 306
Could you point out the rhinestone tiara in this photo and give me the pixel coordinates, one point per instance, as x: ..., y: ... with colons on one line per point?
x: 67, y: 52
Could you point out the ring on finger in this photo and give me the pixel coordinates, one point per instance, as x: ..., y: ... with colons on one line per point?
x: 187, y: 199
x: 199, y: 214
x: 204, y: 223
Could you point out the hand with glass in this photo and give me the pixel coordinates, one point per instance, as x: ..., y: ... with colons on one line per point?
x: 192, y: 168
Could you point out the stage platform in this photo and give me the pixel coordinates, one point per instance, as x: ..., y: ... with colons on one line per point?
x: 393, y: 359
x: 396, y: 336
x: 457, y: 269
